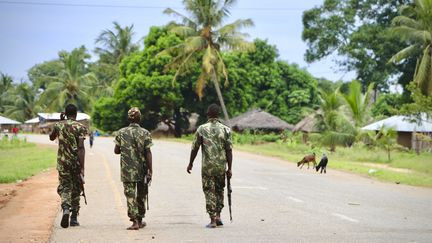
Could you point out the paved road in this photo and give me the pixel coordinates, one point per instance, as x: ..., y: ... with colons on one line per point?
x: 273, y: 202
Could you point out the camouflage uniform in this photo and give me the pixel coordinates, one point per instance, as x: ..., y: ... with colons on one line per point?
x: 215, y: 139
x: 133, y: 140
x: 68, y: 166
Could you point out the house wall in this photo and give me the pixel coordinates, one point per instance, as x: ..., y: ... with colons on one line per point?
x: 6, y: 127
x: 404, y: 139
x: 422, y: 142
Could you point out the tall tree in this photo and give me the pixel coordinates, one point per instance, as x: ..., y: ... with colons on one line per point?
x: 414, y: 27
x: 359, y: 103
x: 258, y: 79
x: 144, y: 83
x: 72, y: 85
x: 24, y: 104
x: 335, y: 127
x: 116, y: 44
x: 356, y: 31
x: 39, y: 74
x: 204, y: 37
x: 5, y: 86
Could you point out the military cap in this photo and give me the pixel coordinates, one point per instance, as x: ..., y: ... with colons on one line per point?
x: 134, y: 112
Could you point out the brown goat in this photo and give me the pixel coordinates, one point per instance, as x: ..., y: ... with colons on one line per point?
x: 307, y: 159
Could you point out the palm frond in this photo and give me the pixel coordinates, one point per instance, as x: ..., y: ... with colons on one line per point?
x: 182, y: 66
x: 403, y: 54
x: 235, y: 26
x: 184, y: 31
x: 201, y: 83
x: 194, y: 43
x: 236, y: 43
x: 209, y: 60
x: 402, y: 20
x: 410, y: 34
x: 424, y: 72
x: 222, y: 68
x: 185, y: 20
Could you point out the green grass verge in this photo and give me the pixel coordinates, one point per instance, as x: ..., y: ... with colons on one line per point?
x: 23, y: 161
x: 359, y: 160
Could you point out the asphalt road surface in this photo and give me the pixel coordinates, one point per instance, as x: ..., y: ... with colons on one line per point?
x: 273, y: 201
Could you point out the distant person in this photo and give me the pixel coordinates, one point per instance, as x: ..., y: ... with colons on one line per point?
x: 5, y: 133
x: 70, y: 163
x: 91, y: 138
x: 133, y: 144
x: 323, y: 164
x: 15, y: 131
x: 214, y: 138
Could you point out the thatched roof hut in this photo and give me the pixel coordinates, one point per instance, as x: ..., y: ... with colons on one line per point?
x: 259, y: 120
x: 307, y: 124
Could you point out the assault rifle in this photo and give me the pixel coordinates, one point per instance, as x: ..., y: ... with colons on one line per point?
x: 147, y: 182
x: 82, y: 182
x: 229, y: 191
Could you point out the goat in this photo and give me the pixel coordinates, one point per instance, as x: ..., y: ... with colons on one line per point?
x: 323, y: 164
x: 307, y: 159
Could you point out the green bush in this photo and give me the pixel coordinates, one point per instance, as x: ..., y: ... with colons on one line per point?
x: 253, y: 137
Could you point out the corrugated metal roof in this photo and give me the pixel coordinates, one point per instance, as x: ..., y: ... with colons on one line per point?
x: 402, y: 124
x: 7, y: 121
x: 32, y: 121
x: 56, y: 116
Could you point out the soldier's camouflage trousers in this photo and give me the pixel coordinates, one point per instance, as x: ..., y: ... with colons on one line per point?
x: 69, y: 190
x: 213, y: 187
x: 136, y: 193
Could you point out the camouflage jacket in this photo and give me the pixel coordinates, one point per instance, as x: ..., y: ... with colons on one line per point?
x: 133, y: 140
x: 69, y: 132
x: 215, y: 139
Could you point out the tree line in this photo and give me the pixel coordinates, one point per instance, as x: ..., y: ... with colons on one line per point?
x: 186, y: 65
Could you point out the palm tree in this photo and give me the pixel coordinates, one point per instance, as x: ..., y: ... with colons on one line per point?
x: 358, y: 103
x: 72, y: 85
x: 204, y: 37
x: 414, y: 26
x: 336, y: 129
x: 117, y: 43
x: 25, y: 105
x: 5, y: 86
x: 386, y: 138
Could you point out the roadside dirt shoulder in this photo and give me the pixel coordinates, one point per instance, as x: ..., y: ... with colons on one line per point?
x: 28, y: 209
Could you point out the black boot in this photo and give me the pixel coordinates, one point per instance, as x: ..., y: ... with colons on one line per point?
x: 74, y: 219
x: 142, y: 223
x: 65, y: 218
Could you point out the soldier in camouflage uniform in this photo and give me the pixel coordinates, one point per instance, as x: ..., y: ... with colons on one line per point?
x: 215, y: 141
x: 133, y: 143
x: 70, y: 163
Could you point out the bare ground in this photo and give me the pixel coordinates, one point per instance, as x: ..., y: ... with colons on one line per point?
x: 28, y: 208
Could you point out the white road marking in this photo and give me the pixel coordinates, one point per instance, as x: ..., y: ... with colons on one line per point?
x: 344, y: 217
x: 251, y: 187
x: 295, y: 199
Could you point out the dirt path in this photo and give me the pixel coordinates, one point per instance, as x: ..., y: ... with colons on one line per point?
x: 388, y: 167
x: 29, y: 209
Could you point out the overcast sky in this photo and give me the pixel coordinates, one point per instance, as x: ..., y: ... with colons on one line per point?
x: 34, y: 31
